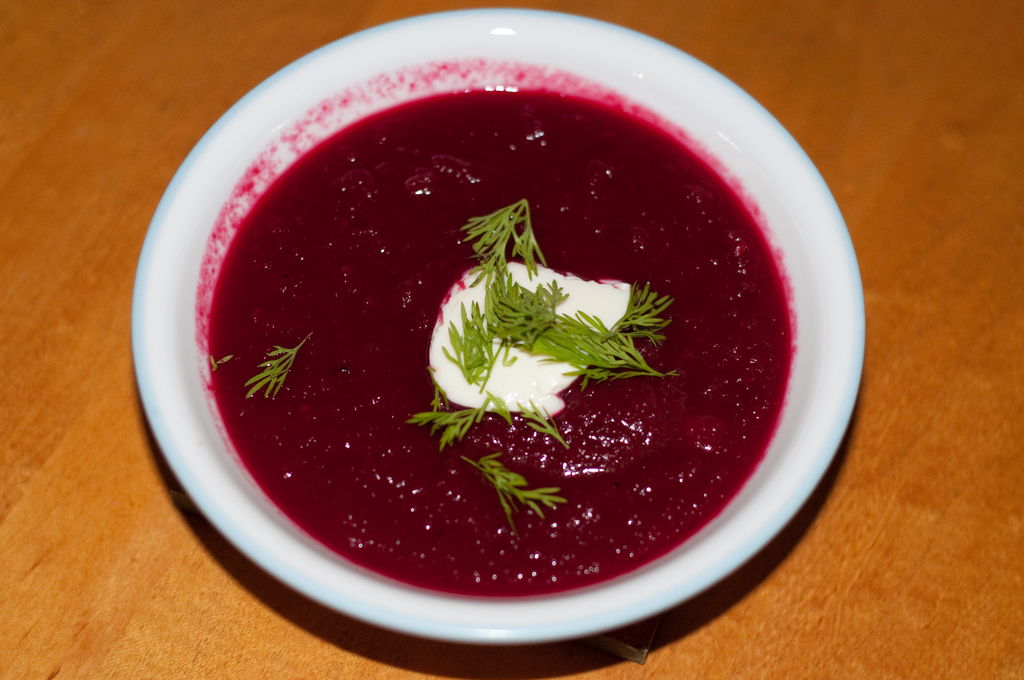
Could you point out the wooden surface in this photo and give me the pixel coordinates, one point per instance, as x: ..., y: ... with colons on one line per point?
x: 907, y: 563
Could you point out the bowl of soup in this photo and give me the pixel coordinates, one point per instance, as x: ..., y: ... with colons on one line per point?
x: 498, y: 326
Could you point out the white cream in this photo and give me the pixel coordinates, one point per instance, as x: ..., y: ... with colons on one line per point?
x: 529, y: 379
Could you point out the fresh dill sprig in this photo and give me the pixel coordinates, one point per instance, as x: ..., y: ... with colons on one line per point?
x: 491, y: 234
x: 541, y: 421
x: 598, y: 353
x: 454, y: 425
x: 274, y: 370
x: 512, y: 488
x: 529, y: 321
x: 214, y: 363
x: 522, y: 316
x: 473, y: 350
x: 643, y: 317
x: 440, y: 399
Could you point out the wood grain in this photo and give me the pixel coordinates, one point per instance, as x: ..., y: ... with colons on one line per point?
x: 904, y: 564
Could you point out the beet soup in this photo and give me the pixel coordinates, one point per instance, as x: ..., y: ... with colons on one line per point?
x: 349, y: 255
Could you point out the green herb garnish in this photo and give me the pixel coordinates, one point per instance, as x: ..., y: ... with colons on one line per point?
x: 491, y: 234
x: 512, y: 488
x: 275, y: 370
x: 541, y: 421
x: 599, y: 353
x: 454, y: 425
x: 214, y: 363
x: 516, y: 316
x: 473, y: 350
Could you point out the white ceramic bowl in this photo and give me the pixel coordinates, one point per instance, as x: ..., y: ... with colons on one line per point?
x: 324, y: 91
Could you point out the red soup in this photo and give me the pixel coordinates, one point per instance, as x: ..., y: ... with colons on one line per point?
x: 354, y: 249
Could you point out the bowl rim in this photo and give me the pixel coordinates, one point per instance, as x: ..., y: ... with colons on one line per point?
x: 518, y: 622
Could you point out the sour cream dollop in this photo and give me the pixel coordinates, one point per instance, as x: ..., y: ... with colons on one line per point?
x: 531, y: 381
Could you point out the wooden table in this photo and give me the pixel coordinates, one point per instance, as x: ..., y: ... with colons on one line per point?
x: 907, y: 563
